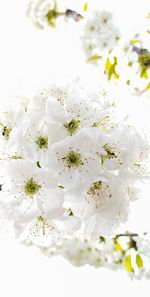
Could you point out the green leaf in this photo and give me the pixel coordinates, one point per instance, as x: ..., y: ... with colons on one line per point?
x: 110, y: 68
x: 147, y: 87
x: 94, y: 58
x: 139, y: 261
x: 144, y: 73
x: 128, y: 264
x: 134, y: 41
x: 118, y: 246
x: 85, y: 7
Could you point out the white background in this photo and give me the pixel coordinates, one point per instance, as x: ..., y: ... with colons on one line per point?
x: 28, y: 59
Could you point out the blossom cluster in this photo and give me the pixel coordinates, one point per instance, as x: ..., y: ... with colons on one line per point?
x: 122, y: 57
x: 126, y: 252
x: 48, y: 13
x: 99, y: 35
x: 69, y: 163
x: 119, y: 56
x: 72, y: 162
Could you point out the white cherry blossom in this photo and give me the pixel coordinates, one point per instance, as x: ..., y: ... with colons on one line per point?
x: 31, y: 191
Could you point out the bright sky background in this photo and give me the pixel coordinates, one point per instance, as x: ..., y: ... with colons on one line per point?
x: 27, y: 62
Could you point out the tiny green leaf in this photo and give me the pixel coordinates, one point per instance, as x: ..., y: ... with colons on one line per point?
x: 118, y: 246
x: 134, y: 41
x: 94, y: 58
x: 144, y: 73
x: 147, y: 87
x: 139, y: 261
x: 110, y: 68
x: 128, y: 264
x: 85, y: 7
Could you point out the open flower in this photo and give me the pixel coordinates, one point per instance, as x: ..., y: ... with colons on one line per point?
x: 75, y: 160
x: 42, y: 12
x: 75, y: 113
x: 13, y: 125
x: 31, y: 191
x: 102, y: 206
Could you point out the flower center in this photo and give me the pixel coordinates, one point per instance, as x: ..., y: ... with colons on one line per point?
x: 105, y: 20
x: 6, y: 132
x: 31, y: 187
x: 42, y: 142
x: 100, y: 193
x: 73, y: 159
x: 72, y: 126
x: 109, y: 151
x: 92, y: 28
x: 96, y: 186
x: 51, y: 16
x: 144, y: 61
x: 110, y: 154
